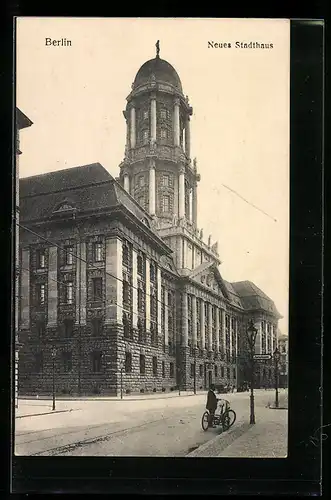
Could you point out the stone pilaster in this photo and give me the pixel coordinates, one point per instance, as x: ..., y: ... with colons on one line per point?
x: 52, y: 287
x: 217, y: 330
x: 159, y: 301
x: 81, y: 283
x: 194, y: 321
x: 224, y: 330
x: 184, y: 320
x: 166, y: 319
x: 202, y: 323
x: 133, y: 127
x: 134, y: 289
x: 148, y: 296
x: 25, y: 290
x: 114, y: 276
x: 210, y: 327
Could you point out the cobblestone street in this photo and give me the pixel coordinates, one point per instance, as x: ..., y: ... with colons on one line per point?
x: 169, y: 426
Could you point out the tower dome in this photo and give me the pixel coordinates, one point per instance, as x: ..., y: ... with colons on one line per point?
x: 161, y: 69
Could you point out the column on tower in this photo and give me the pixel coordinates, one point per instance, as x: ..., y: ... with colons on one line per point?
x: 194, y: 203
x: 176, y: 123
x: 187, y: 138
x: 152, y: 187
x: 181, y: 193
x: 210, y: 327
x: 194, y: 321
x: 126, y: 183
x: 133, y: 126
x: 153, y: 118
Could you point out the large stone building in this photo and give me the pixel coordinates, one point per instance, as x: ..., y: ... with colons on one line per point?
x: 283, y: 363
x: 116, y: 279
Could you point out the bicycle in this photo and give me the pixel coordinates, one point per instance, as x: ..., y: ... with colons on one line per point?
x: 224, y: 416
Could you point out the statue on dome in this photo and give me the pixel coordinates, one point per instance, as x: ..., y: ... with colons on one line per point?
x: 195, y: 164
x: 157, y: 45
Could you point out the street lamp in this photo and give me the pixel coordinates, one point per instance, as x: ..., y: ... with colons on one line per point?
x: 53, y: 360
x: 251, y: 333
x: 276, y: 359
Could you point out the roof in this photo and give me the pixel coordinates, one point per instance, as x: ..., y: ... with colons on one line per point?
x: 161, y: 69
x: 22, y: 121
x: 232, y: 294
x: 252, y: 297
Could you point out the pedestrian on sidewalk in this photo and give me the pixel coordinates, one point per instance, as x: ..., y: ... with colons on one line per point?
x: 211, y: 404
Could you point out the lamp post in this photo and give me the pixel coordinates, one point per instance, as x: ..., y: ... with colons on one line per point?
x: 251, y: 333
x: 276, y: 359
x: 53, y: 362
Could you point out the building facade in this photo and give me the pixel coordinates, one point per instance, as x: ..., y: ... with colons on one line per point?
x: 119, y: 290
x: 283, y: 363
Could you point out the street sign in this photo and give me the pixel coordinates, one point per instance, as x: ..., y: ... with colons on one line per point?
x: 262, y: 357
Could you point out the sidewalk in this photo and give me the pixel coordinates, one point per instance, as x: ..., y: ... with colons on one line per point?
x: 31, y: 407
x: 266, y: 439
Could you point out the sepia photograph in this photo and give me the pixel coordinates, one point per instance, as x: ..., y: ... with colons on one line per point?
x: 152, y: 237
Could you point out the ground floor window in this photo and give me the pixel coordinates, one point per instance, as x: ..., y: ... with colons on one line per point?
x: 96, y: 359
x: 128, y: 362
x: 201, y: 370
x: 171, y: 369
x: 142, y: 364
x: 163, y: 369
x: 192, y: 370
x: 154, y: 366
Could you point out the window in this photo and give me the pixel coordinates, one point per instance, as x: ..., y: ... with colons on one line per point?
x: 97, y: 288
x: 126, y: 326
x: 163, y: 133
x: 97, y: 252
x: 163, y: 369
x: 142, y: 364
x: 41, y: 329
x: 68, y: 328
x: 96, y: 358
x: 128, y: 362
x: 234, y: 373
x: 216, y: 371
x: 141, y: 181
x: 166, y: 203
x: 192, y: 370
x: 126, y: 293
x: 145, y: 115
x: 140, y: 264
x: 96, y: 327
x: 41, y: 292
x: 153, y: 334
x: 67, y: 361
x: 152, y: 271
x: 228, y: 374
x: 222, y: 371
x: 163, y: 114
x: 125, y: 255
x: 171, y: 369
x: 140, y: 299
x: 154, y: 366
x: 38, y: 362
x: 69, y: 255
x: 69, y: 292
x: 153, y: 304
x: 201, y: 370
x: 166, y: 181
x: 145, y: 136
x: 140, y: 327
x: 41, y: 261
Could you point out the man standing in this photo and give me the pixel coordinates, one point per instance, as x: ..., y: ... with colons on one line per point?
x: 211, y: 404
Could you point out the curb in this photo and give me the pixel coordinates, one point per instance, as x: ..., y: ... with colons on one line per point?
x: 46, y: 413
x: 49, y: 398
x: 220, y: 442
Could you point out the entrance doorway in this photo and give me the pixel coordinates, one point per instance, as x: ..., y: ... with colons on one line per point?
x: 210, y: 378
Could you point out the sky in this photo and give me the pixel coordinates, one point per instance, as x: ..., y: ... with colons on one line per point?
x: 75, y: 96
